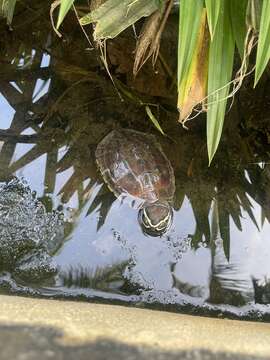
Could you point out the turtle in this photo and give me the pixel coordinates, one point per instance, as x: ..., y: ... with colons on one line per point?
x: 133, y: 165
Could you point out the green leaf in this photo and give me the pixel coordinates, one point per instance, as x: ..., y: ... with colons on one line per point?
x: 224, y: 228
x: 221, y: 56
x: 213, y: 9
x: 7, y: 9
x: 114, y: 16
x: 190, y: 18
x: 253, y: 15
x: 263, y: 51
x: 153, y: 119
x: 64, y: 8
x: 238, y: 10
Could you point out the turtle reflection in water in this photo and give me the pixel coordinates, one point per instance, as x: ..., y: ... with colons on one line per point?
x: 133, y: 165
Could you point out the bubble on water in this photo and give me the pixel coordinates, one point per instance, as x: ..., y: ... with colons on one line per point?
x: 163, y: 297
x: 177, y: 246
x: 168, y: 249
x: 137, y: 278
x: 125, y: 244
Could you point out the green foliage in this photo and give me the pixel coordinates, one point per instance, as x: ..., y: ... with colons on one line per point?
x: 188, y: 33
x: 253, y: 14
x: 65, y: 6
x: 213, y: 9
x: 263, y: 52
x: 114, y: 16
x: 221, y: 56
x: 153, y: 119
x: 238, y: 11
x: 230, y: 23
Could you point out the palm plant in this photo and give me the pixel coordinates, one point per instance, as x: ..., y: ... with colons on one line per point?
x: 66, y: 115
x: 209, y: 31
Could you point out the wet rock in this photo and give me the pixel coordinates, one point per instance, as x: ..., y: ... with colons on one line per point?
x: 35, y: 267
x: 29, y: 235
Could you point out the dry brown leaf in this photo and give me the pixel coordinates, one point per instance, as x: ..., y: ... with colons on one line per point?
x: 149, y: 39
x: 146, y: 38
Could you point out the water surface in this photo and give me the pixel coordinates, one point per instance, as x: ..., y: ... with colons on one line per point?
x: 57, y: 102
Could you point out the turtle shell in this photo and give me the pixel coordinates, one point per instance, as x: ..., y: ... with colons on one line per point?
x: 133, y: 163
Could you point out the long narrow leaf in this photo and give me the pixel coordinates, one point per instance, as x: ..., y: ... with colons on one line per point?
x: 64, y: 8
x: 253, y: 15
x: 221, y: 56
x: 114, y: 16
x: 193, y: 85
x: 192, y: 57
x: 213, y: 9
x: 263, y: 51
x: 190, y: 17
x: 238, y: 10
x: 153, y: 119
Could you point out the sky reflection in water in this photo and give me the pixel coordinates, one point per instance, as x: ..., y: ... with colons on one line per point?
x: 172, y: 268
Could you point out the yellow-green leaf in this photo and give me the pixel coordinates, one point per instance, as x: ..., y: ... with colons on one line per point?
x: 221, y: 56
x: 192, y: 87
x: 190, y: 17
x: 213, y: 9
x: 64, y: 8
x: 263, y: 51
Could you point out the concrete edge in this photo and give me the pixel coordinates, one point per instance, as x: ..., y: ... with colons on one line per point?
x: 81, y: 323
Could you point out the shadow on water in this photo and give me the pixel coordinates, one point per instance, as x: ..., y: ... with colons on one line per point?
x: 57, y: 103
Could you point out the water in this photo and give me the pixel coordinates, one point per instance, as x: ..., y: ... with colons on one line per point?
x: 66, y: 235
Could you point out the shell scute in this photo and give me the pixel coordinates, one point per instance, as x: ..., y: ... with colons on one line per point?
x: 133, y: 163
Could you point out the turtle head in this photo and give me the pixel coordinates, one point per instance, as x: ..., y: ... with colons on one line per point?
x: 155, y: 219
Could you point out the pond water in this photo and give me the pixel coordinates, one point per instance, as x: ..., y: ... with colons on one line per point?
x: 63, y: 233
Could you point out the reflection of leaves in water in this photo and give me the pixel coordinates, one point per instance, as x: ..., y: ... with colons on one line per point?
x: 179, y: 195
x: 224, y: 228
x: 104, y: 200
x: 104, y: 209
x: 227, y: 283
x: 220, y: 228
x: 201, y: 208
x: 247, y: 206
x: 105, y: 278
x: 97, y: 200
x: 220, y: 294
x: 76, y: 117
x: 262, y: 290
x: 48, y: 140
